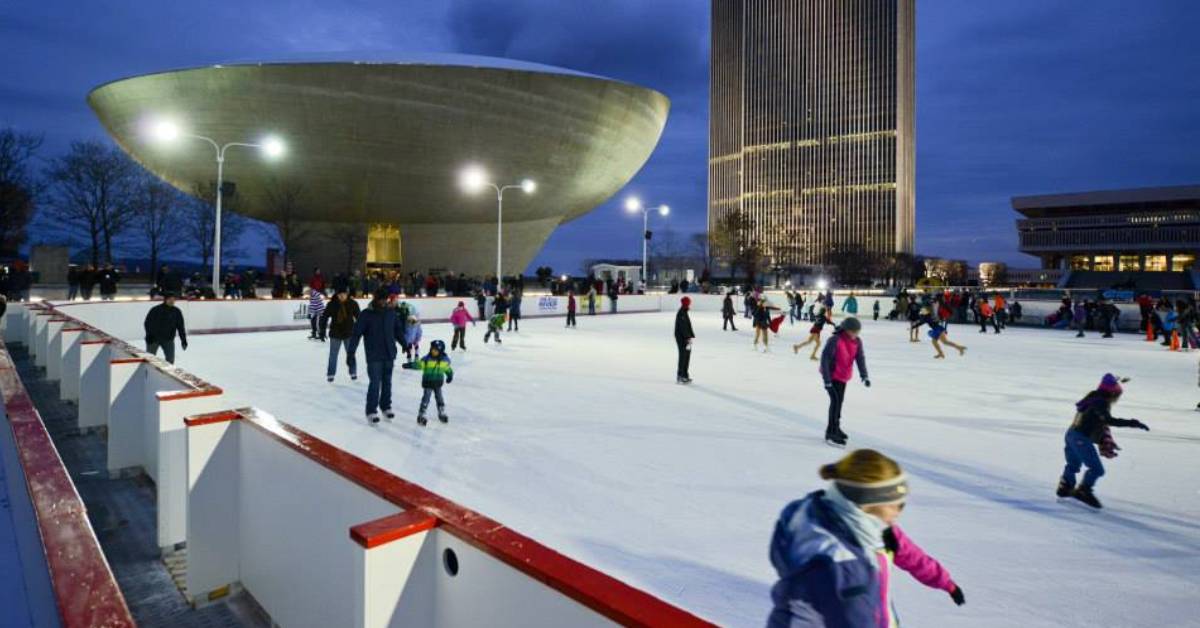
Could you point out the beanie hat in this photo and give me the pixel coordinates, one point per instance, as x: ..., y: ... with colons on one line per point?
x: 1110, y: 384
x: 868, y: 478
x: 686, y: 301
x: 460, y: 304
x: 851, y: 324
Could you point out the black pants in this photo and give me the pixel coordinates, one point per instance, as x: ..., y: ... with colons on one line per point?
x: 168, y: 349
x: 459, y: 339
x: 570, y: 318
x: 685, y: 358
x: 728, y: 316
x: 514, y: 322
x: 837, y: 394
x: 318, y: 327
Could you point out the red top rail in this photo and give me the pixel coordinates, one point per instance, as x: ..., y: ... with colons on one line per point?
x: 600, y: 592
x: 84, y: 587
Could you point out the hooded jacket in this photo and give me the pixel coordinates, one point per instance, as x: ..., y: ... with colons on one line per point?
x: 1092, y: 415
x: 833, y: 354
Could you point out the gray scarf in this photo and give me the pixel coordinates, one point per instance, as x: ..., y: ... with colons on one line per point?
x: 867, y: 529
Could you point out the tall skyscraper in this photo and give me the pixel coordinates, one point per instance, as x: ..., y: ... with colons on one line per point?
x: 811, y: 130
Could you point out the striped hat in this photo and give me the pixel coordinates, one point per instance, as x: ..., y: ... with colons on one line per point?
x: 868, y: 478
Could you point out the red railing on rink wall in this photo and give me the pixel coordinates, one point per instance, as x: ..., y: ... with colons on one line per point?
x: 602, y: 593
x: 85, y: 590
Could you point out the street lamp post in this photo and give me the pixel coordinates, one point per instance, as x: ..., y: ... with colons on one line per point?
x: 634, y: 204
x: 474, y: 179
x: 271, y: 147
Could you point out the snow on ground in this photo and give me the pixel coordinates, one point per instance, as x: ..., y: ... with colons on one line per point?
x: 582, y: 440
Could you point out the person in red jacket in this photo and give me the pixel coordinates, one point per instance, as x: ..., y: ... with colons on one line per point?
x: 570, y: 308
x: 317, y: 282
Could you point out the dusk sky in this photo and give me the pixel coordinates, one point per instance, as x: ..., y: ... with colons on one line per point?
x: 1014, y: 97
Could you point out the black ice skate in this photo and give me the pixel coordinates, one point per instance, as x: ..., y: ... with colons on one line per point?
x: 373, y: 418
x: 442, y: 416
x: 683, y: 380
x: 388, y: 414
x: 835, y: 440
x: 421, y: 420
x: 1086, y: 496
x: 1064, y: 489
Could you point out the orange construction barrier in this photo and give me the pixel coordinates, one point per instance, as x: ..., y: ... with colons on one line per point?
x: 1174, y: 340
x: 1149, y: 331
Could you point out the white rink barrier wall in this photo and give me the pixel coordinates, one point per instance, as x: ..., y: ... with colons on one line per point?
x: 316, y: 535
x: 320, y: 537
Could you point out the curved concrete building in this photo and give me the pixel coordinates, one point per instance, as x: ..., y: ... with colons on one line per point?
x: 379, y: 146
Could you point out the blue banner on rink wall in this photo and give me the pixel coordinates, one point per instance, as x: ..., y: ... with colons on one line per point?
x: 547, y: 304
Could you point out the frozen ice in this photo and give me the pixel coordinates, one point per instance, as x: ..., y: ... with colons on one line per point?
x: 581, y: 439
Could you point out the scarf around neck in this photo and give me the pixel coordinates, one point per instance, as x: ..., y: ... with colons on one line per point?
x: 867, y: 529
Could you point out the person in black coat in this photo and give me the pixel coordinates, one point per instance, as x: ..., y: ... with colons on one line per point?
x: 339, y: 316
x: 162, y: 322
x: 108, y: 279
x: 87, y: 281
x: 380, y: 329
x: 72, y: 282
x: 683, y: 340
x: 727, y: 312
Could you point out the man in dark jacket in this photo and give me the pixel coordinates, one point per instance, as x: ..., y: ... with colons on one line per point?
x: 683, y: 341
x: 162, y: 322
x: 727, y: 312
x: 339, y: 317
x: 380, y: 329
x: 108, y: 279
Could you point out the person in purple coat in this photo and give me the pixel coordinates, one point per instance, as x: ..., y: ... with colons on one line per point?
x: 1079, y: 318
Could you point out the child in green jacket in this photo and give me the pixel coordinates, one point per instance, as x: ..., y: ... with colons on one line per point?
x: 495, y: 324
x: 435, y: 370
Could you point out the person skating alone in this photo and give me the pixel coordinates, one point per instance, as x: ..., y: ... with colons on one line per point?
x: 814, y: 334
x: 495, y: 324
x: 1088, y: 438
x: 875, y: 310
x: 684, y: 337
x: 570, y: 308
x: 316, y: 307
x: 339, y: 318
x: 514, y: 311
x: 459, y: 319
x: 937, y: 334
x: 834, y: 548
x: 728, y: 312
x: 162, y: 323
x: 1079, y: 318
x: 435, y: 371
x: 842, y: 354
x: 380, y: 329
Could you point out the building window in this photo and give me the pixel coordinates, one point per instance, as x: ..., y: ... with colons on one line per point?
x: 1156, y: 263
x: 1103, y: 263
x: 383, y: 244
x: 1182, y: 262
x: 1130, y: 262
x: 1080, y: 262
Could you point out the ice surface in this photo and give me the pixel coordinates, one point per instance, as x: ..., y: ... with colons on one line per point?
x: 582, y: 440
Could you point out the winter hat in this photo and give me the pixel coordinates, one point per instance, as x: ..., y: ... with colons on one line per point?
x: 686, y: 301
x: 868, y: 478
x: 852, y: 324
x: 1110, y: 384
x: 460, y: 304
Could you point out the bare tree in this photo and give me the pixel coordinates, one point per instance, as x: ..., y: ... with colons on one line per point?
x: 90, y: 194
x: 731, y: 239
x: 199, y: 222
x: 19, y: 188
x: 854, y: 264
x: 282, y: 209
x: 701, y: 250
x: 158, y: 211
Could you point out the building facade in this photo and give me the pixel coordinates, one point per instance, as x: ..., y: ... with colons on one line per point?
x: 375, y: 148
x: 1122, y: 231
x: 811, y: 130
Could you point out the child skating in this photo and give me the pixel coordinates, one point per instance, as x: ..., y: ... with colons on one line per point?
x: 1088, y: 438
x: 459, y: 319
x: 435, y: 371
x: 938, y: 334
x: 842, y: 354
x: 495, y: 324
x: 814, y: 334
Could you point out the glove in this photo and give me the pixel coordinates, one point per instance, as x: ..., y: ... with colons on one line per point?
x: 183, y: 344
x: 449, y: 378
x: 828, y: 385
x: 866, y: 382
x: 957, y: 596
x: 1141, y: 426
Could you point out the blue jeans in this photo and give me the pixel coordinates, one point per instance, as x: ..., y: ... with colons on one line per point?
x: 1080, y: 450
x: 379, y: 390
x: 335, y: 344
x: 437, y: 393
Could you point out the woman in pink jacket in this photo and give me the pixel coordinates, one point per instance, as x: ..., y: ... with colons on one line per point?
x: 459, y: 318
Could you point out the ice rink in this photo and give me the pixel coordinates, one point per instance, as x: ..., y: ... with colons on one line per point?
x: 582, y: 440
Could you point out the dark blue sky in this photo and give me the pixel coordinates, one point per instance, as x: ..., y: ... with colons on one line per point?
x: 1013, y: 97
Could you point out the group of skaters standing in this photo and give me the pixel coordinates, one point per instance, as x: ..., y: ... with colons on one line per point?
x: 84, y: 281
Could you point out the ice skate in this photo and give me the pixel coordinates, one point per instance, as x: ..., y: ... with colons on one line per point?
x: 329, y: 379
x: 834, y: 440
x: 421, y: 420
x: 1064, y: 489
x: 688, y: 380
x: 442, y: 416
x: 388, y: 414
x: 372, y: 418
x: 1086, y: 496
